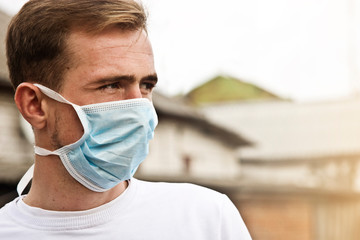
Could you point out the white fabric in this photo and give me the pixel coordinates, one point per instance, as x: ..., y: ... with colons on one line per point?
x: 145, y: 210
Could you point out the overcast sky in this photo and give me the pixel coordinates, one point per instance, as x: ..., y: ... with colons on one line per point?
x: 306, y: 50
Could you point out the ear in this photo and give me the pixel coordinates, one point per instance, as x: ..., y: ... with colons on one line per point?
x: 30, y: 102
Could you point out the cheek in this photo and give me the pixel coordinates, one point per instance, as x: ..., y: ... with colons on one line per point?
x: 68, y: 125
x: 149, y: 96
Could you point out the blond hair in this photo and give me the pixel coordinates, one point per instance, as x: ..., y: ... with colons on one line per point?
x: 36, y: 39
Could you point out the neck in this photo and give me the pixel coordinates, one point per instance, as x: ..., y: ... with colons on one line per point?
x: 54, y: 189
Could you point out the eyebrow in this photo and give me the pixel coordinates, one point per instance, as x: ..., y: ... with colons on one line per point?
x: 131, y: 78
x: 151, y: 77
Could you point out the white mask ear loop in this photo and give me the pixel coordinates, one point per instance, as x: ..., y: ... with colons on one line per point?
x: 52, y: 94
x: 25, y: 180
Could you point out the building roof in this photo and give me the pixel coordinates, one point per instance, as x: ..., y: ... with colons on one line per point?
x: 225, y: 89
x: 285, y: 130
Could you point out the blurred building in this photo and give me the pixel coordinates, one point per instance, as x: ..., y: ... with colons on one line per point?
x: 311, y: 145
x: 303, y: 169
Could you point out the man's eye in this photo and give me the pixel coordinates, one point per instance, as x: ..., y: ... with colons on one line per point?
x: 147, y: 85
x: 115, y: 85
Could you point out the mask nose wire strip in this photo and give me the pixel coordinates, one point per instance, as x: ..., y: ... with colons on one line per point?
x: 25, y: 180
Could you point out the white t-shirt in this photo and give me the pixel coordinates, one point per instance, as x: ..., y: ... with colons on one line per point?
x: 145, y: 211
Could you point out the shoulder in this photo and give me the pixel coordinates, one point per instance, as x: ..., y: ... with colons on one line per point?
x: 183, y: 190
x: 4, y: 211
x: 183, y: 196
x: 194, y: 205
x: 7, y: 223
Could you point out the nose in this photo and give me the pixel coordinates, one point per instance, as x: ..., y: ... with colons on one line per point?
x: 133, y: 91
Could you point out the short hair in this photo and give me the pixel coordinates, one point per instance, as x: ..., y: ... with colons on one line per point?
x: 36, y: 38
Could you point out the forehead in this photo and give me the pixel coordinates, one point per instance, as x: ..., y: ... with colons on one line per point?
x: 110, y: 53
x: 111, y: 42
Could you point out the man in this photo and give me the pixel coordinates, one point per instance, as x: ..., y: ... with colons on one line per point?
x: 83, y: 71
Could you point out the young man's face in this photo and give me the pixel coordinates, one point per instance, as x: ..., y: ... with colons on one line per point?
x: 112, y: 66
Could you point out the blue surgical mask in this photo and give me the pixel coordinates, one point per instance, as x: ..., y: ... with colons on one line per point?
x: 115, y: 141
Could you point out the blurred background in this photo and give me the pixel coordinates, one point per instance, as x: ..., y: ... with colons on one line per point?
x: 257, y: 99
